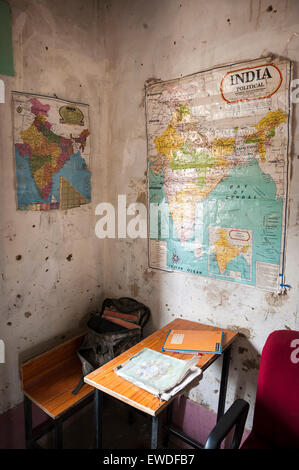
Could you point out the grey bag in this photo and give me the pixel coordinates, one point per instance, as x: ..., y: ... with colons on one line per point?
x: 107, y: 336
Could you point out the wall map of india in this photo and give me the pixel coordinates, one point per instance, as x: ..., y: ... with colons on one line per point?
x: 218, y: 172
x: 52, y: 152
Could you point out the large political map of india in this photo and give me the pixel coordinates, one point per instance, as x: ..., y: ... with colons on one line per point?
x: 52, y: 151
x: 218, y: 172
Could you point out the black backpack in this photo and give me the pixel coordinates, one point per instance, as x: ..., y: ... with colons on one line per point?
x: 118, y: 327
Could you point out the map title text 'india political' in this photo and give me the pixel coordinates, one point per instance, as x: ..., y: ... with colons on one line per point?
x: 250, y: 76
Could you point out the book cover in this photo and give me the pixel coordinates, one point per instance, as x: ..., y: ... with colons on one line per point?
x: 193, y: 341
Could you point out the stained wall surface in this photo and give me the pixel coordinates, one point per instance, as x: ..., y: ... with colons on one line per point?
x: 51, y: 262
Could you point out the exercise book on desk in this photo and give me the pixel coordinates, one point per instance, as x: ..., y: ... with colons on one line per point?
x: 158, y: 373
x: 193, y: 341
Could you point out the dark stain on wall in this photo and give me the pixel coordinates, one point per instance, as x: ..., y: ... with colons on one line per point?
x: 142, y: 197
x: 134, y: 289
x: 250, y: 364
x: 243, y: 331
x: 152, y: 80
x: 275, y: 300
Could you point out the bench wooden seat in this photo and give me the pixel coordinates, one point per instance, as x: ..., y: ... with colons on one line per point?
x: 48, y: 381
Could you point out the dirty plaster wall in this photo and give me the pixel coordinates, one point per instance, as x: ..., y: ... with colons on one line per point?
x: 167, y: 39
x: 51, y: 262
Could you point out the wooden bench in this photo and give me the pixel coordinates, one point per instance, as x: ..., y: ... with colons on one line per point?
x: 48, y: 381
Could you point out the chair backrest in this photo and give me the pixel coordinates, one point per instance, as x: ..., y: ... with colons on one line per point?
x: 276, y: 415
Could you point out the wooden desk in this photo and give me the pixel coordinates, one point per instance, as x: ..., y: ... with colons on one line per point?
x: 105, y: 380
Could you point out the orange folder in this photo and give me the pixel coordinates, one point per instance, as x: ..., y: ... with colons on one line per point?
x: 193, y: 341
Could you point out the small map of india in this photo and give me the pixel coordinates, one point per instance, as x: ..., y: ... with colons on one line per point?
x: 52, y: 153
x: 225, y: 251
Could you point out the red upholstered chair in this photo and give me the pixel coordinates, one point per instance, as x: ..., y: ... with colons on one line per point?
x: 276, y: 414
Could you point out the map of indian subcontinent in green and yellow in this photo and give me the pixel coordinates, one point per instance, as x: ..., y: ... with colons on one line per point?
x: 217, y: 158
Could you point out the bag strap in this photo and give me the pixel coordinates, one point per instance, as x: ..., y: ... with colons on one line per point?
x: 79, y: 386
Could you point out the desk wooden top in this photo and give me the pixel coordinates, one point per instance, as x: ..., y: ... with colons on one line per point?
x: 106, y: 380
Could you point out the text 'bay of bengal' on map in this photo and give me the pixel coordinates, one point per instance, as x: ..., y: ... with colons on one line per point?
x: 218, y: 172
x: 52, y: 152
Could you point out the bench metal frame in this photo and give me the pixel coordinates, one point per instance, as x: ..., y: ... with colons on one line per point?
x: 32, y: 435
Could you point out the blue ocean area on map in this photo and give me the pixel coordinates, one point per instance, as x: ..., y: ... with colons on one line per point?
x: 74, y: 170
x: 244, y: 200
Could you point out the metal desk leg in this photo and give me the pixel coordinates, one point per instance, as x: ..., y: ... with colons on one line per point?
x: 223, y: 383
x: 98, y: 418
x: 28, y: 421
x: 155, y: 429
x: 58, y: 434
x: 168, y: 423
